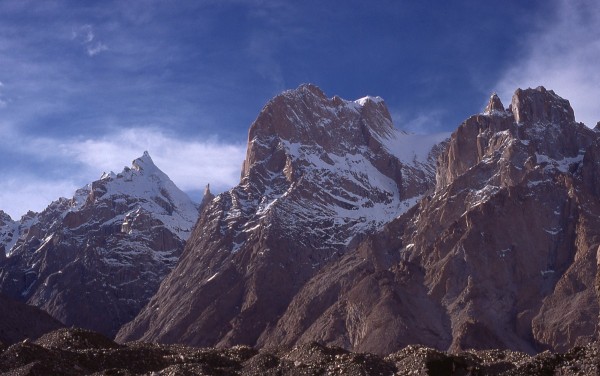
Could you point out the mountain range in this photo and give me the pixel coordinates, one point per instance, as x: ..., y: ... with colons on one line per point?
x: 343, y: 230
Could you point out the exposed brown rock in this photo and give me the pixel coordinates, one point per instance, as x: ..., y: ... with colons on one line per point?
x: 503, y: 255
x: 494, y: 105
x: 206, y: 198
x: 318, y: 176
x: 541, y: 105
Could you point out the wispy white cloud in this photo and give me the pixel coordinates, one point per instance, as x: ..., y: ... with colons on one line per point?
x: 276, y: 27
x: 190, y: 164
x: 96, y: 48
x: 262, y: 48
x: 3, y: 101
x: 30, y: 192
x: 85, y: 35
x: 419, y: 123
x: 563, y: 55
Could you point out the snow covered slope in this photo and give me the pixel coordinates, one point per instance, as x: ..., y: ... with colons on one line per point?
x: 104, y: 250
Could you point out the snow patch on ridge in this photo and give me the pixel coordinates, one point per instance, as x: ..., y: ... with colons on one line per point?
x: 353, y: 192
x: 362, y: 101
x: 561, y: 165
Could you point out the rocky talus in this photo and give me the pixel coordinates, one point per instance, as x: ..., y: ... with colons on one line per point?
x: 81, y: 352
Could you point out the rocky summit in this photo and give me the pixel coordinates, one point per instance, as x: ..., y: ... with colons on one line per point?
x: 320, y: 173
x: 96, y: 259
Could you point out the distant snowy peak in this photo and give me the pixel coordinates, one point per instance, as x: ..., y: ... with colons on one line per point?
x: 117, y: 237
x: 145, y: 164
x: 143, y: 187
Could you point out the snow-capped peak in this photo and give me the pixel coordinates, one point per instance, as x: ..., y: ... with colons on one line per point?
x: 144, y: 163
x: 362, y: 101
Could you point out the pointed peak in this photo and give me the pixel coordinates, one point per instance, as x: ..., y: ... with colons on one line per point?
x: 143, y: 163
x: 494, y: 105
x: 311, y: 88
x: 206, y: 199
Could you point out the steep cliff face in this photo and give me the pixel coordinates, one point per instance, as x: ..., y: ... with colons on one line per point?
x: 509, y: 243
x: 319, y: 174
x: 502, y: 255
x: 95, y: 260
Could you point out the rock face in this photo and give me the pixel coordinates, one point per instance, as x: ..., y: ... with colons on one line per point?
x: 95, y: 260
x: 319, y: 174
x: 503, y: 254
x: 21, y: 321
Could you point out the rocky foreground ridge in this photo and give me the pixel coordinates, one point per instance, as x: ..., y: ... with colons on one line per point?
x: 81, y: 352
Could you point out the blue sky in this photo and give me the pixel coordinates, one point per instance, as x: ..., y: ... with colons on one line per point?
x: 86, y: 87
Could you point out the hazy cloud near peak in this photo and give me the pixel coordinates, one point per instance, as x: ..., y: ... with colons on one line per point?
x: 191, y: 164
x: 563, y: 56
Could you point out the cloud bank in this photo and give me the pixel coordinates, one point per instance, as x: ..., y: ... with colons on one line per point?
x: 563, y: 56
x: 191, y: 164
